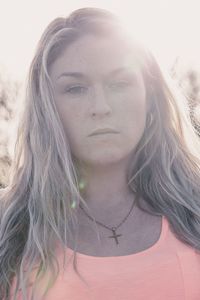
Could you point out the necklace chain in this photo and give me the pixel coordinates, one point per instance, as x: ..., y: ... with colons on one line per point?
x: 113, y: 229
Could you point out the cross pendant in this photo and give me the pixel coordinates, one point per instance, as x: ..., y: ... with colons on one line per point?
x: 115, y: 236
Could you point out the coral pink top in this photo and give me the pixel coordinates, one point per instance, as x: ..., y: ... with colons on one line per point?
x: 168, y: 270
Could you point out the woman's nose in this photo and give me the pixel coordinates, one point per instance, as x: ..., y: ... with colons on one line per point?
x: 100, y: 101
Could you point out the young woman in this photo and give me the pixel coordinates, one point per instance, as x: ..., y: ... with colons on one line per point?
x: 103, y: 199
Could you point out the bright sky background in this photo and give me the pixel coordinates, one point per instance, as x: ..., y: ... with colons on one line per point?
x: 169, y: 27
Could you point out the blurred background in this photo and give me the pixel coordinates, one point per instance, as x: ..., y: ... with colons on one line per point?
x: 169, y: 28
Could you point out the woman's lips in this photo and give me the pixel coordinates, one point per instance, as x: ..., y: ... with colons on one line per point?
x: 103, y: 131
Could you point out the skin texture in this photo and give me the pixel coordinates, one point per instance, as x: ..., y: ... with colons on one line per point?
x: 101, y: 99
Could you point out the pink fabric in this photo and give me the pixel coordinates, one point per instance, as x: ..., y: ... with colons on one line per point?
x: 169, y: 270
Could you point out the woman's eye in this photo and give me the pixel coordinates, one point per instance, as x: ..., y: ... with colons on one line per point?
x: 120, y: 84
x: 76, y: 89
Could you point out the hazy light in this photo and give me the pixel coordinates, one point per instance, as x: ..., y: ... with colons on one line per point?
x: 170, y: 27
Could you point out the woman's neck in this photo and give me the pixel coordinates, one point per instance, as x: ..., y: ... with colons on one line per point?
x: 106, y: 188
x: 106, y: 193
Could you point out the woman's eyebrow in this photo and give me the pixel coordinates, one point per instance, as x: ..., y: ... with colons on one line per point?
x: 71, y: 74
x: 80, y: 75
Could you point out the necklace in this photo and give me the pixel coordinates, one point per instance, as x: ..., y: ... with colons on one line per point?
x: 113, y: 229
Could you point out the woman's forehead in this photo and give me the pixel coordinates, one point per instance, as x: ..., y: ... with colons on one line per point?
x: 93, y: 54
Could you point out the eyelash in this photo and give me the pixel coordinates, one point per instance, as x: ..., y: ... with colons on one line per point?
x: 73, y: 89
x: 81, y: 89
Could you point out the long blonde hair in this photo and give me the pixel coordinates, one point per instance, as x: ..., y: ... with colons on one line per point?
x: 38, y: 207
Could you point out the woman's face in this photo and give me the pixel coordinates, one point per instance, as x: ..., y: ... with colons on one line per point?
x: 98, y: 84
